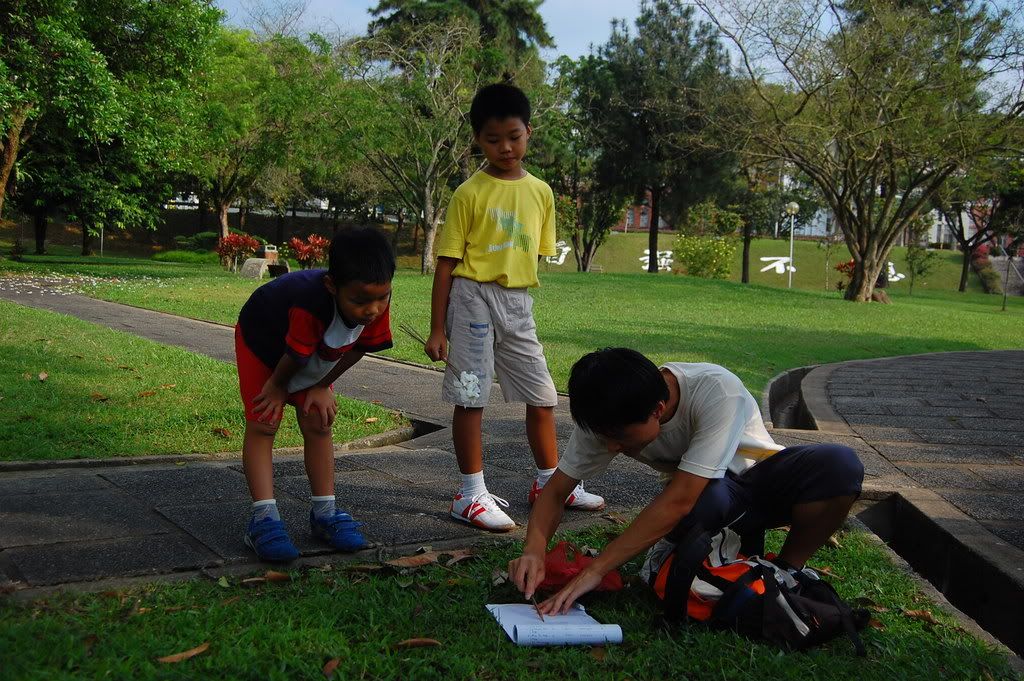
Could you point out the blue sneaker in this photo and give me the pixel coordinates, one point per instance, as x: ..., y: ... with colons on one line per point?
x: 338, y: 530
x: 270, y: 541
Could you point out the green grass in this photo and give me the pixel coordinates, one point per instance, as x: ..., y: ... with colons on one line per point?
x: 108, y: 393
x: 756, y: 331
x: 621, y: 253
x: 290, y: 630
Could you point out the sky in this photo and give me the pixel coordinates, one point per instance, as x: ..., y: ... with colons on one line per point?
x: 574, y: 24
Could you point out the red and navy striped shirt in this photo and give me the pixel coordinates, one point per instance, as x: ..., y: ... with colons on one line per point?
x: 292, y: 313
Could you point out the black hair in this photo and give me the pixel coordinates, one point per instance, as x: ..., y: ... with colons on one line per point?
x: 361, y: 254
x: 499, y: 101
x: 613, y: 388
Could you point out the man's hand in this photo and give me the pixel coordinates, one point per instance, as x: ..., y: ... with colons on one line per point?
x: 269, y: 404
x: 587, y: 580
x: 436, y: 347
x: 527, y: 572
x: 321, y: 400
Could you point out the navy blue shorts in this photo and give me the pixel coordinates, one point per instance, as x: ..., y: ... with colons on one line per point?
x: 763, y: 497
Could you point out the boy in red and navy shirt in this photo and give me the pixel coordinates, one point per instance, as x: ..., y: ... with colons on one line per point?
x: 295, y: 336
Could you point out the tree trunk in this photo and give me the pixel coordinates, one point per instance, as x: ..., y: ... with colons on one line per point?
x: 748, y: 234
x: 86, y: 240
x: 222, y: 218
x: 279, y: 229
x: 652, y: 233
x: 11, y: 144
x: 862, y: 282
x: 243, y: 213
x: 430, y: 220
x: 398, y: 230
x: 966, y: 269
x: 39, y: 220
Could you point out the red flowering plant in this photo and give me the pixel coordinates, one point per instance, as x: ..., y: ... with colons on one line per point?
x: 311, y: 252
x: 845, y: 268
x: 234, y: 246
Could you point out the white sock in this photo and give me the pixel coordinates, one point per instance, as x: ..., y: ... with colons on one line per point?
x: 544, y: 474
x: 472, y: 484
x: 323, y: 506
x: 265, y: 508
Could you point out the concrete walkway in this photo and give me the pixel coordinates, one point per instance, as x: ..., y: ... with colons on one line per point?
x: 950, y: 423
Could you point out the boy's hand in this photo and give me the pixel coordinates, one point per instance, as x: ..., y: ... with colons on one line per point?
x: 436, y: 347
x: 269, y: 404
x: 321, y: 401
x: 527, y: 572
x: 587, y: 580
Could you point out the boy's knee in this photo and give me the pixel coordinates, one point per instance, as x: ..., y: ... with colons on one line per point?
x: 262, y: 428
x: 844, y: 466
x: 312, y: 425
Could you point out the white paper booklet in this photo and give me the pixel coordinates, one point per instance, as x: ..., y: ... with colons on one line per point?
x: 522, y: 624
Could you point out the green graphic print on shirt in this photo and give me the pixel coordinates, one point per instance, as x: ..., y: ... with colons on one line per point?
x: 506, y: 219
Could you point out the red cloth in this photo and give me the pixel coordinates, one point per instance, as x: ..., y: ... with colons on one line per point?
x: 565, y: 561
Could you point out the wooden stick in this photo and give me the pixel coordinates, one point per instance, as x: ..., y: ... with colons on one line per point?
x: 422, y: 341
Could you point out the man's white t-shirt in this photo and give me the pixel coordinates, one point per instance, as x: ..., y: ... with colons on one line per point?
x: 717, y: 427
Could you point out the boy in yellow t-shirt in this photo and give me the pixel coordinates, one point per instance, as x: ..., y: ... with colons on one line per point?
x: 498, y: 224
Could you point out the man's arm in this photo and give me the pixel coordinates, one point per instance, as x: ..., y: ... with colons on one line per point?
x: 656, y: 520
x: 437, y: 345
x: 527, y: 571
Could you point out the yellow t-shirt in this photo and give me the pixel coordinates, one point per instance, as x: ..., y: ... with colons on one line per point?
x: 498, y: 228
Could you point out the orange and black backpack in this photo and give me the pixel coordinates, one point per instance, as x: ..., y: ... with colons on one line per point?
x: 705, y: 579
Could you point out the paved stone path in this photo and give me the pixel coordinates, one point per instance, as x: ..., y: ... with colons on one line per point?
x: 949, y: 422
x: 952, y: 422
x: 70, y: 524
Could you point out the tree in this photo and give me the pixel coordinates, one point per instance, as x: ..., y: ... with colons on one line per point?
x: 510, y: 31
x: 877, y: 105
x: 102, y: 75
x: 405, y: 110
x: 920, y: 260
x: 640, y: 96
x: 262, y: 102
x: 111, y: 166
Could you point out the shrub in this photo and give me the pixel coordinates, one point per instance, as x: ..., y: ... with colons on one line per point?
x: 207, y: 241
x: 990, y: 280
x: 234, y: 246
x: 311, y: 252
x: 188, y: 257
x: 707, y: 257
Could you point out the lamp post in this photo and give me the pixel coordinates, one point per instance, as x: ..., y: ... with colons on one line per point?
x: 792, y: 208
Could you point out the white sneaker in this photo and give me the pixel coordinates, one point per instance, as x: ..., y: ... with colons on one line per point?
x: 580, y: 499
x: 482, y: 510
x: 583, y: 500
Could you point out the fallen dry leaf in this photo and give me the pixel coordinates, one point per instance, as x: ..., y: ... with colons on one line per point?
x: 78, y: 356
x: 184, y: 655
x: 89, y: 641
x: 834, y: 543
x: 372, y: 419
x: 143, y: 611
x: 99, y: 397
x: 876, y: 624
x: 229, y: 601
x: 376, y: 402
x: 923, y: 615
x: 126, y: 367
x: 459, y: 558
x: 165, y: 386
x: 147, y: 393
x: 418, y: 643
x: 615, y: 518
x: 598, y: 653
x: 429, y: 558
x: 363, y: 567
x: 498, y: 577
x: 43, y: 376
x: 331, y: 665
x: 223, y: 432
x: 253, y: 581
x: 827, y: 571
x: 28, y: 376
x: 274, y: 576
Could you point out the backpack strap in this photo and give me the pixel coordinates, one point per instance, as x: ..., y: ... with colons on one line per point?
x: 691, y: 551
x: 846, y: 614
